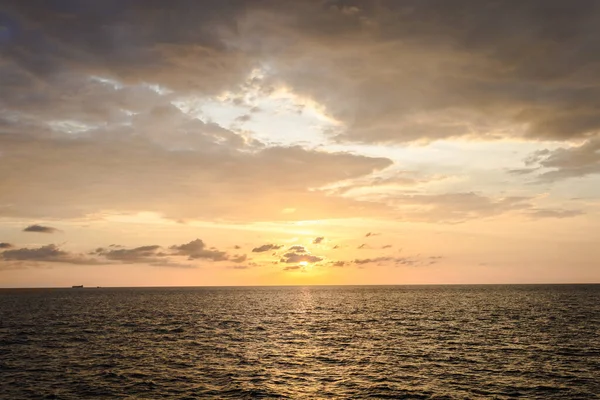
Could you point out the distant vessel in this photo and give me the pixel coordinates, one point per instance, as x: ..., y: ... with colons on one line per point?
x: 77, y: 286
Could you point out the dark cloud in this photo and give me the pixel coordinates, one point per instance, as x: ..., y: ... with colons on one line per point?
x: 389, y: 70
x: 292, y: 268
x: 40, y: 229
x: 387, y: 246
x: 293, y: 258
x: 372, y: 260
x: 338, y: 263
x: 81, y: 101
x: 196, y: 249
x: 132, y: 41
x: 266, y: 247
x: 143, y: 254
x: 152, y: 255
x: 49, y: 253
x: 239, y: 258
x: 566, y: 162
x: 297, y: 249
x: 318, y: 240
x: 444, y: 69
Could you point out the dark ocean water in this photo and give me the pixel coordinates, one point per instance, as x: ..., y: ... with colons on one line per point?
x: 401, y: 342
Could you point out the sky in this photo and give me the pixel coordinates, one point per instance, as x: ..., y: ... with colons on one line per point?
x: 284, y: 142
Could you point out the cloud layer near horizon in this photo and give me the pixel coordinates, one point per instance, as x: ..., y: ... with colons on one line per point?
x: 193, y: 254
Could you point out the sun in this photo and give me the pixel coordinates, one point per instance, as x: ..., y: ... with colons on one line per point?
x: 303, y: 263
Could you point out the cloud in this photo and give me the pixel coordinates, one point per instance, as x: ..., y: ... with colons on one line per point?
x: 243, y: 118
x: 143, y: 254
x: 156, y: 256
x: 4, y: 245
x: 397, y: 261
x: 99, y: 173
x: 124, y: 108
x: 459, y: 207
x: 292, y: 268
x: 293, y: 258
x: 413, y: 85
x: 238, y: 267
x: 555, y: 213
x: 338, y: 263
x: 266, y: 247
x: 566, y: 162
x: 129, y: 41
x: 434, y: 69
x: 318, y: 240
x: 522, y: 171
x: 393, y: 179
x: 40, y: 229
x: 196, y: 249
x: 153, y: 255
x: 109, y: 103
x: 239, y: 258
x: 372, y: 260
x: 297, y: 249
x: 297, y: 254
x: 456, y: 207
x: 49, y: 253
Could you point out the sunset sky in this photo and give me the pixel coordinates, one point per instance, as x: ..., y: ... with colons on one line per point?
x: 284, y: 142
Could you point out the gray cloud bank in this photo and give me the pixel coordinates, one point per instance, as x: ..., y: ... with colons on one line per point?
x: 83, y: 126
x: 389, y: 70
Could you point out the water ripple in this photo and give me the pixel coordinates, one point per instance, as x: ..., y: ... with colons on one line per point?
x: 436, y: 342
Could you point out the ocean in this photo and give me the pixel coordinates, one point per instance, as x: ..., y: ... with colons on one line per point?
x: 319, y: 342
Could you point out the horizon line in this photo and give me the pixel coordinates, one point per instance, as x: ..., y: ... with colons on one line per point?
x: 315, y: 285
